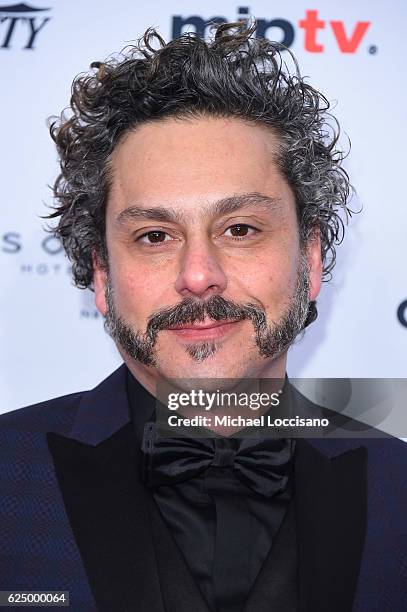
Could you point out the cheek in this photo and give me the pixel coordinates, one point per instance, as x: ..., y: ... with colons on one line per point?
x: 131, y: 292
x: 139, y: 294
x: 272, y: 281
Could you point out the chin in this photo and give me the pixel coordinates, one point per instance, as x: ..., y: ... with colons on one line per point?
x: 208, y: 372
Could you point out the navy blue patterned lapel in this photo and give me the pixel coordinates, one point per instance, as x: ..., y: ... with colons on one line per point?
x: 102, y: 411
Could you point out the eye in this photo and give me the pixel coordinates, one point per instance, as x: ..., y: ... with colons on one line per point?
x: 241, y: 230
x: 154, y: 237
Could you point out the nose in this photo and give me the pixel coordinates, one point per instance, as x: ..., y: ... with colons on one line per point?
x: 201, y: 274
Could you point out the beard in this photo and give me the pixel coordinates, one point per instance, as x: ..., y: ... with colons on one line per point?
x: 272, y: 339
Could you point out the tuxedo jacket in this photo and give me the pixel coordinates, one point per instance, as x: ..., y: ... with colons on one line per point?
x: 74, y: 516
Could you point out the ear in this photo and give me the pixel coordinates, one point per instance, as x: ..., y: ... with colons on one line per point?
x: 99, y: 284
x: 314, y: 260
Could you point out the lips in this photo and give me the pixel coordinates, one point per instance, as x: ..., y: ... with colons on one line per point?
x: 204, y: 331
x: 209, y: 325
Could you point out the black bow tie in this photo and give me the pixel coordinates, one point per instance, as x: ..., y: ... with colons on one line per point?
x: 262, y: 465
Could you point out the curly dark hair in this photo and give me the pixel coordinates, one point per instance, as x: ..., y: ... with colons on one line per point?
x: 233, y: 75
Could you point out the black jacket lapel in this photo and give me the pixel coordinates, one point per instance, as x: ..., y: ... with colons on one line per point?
x: 276, y: 587
x: 131, y: 559
x: 179, y: 590
x: 331, y: 521
x: 324, y: 530
x: 109, y: 514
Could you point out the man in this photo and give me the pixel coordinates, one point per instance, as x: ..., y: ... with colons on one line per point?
x: 200, y: 198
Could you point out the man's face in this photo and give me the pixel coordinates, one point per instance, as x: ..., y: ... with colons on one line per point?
x: 206, y: 275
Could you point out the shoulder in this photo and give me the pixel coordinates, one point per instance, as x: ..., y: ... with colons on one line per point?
x: 385, y: 455
x: 385, y: 452
x: 52, y: 415
x: 88, y: 410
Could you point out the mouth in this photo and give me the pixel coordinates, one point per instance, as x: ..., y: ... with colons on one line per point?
x: 204, y: 330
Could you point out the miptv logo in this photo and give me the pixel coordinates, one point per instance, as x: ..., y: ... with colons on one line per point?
x: 315, y: 30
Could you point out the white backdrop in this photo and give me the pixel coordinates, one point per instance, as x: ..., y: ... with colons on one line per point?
x: 52, y: 340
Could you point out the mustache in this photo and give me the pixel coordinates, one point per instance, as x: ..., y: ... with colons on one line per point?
x: 216, y: 308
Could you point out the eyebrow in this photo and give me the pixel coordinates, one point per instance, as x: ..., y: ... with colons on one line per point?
x: 218, y: 208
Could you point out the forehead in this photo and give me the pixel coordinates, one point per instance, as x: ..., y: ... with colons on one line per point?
x: 188, y: 163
